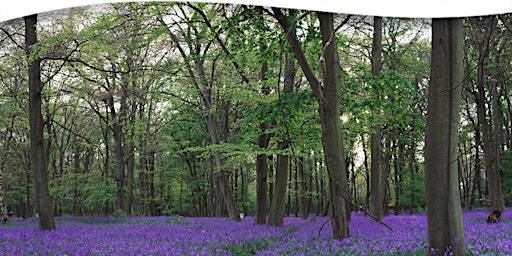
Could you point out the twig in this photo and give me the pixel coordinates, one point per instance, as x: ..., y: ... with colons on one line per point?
x: 351, y: 201
x: 322, y: 227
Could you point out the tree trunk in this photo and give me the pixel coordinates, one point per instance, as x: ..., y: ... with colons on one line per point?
x: 445, y: 227
x: 276, y: 214
x: 151, y: 184
x: 37, y: 150
x: 271, y: 182
x: 261, y: 161
x: 75, y: 182
x: 489, y: 146
x: 277, y: 209
x: 328, y: 100
x: 220, y: 175
x: 119, y: 154
x: 261, y: 179
x: 332, y: 140
x: 301, y: 188
x: 3, y: 207
x: 366, y: 174
x: 377, y: 193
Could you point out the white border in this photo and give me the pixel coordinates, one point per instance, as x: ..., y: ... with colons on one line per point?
x: 10, y: 9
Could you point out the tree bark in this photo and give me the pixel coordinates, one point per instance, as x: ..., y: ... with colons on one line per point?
x: 276, y: 214
x: 37, y: 149
x: 119, y: 154
x: 377, y: 192
x: 489, y: 138
x: 130, y: 160
x: 301, y: 188
x: 445, y: 226
x: 277, y: 209
x: 261, y: 160
x: 332, y: 140
x: 329, y: 109
x: 3, y: 207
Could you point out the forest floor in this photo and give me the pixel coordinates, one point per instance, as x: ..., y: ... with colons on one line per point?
x: 217, y: 236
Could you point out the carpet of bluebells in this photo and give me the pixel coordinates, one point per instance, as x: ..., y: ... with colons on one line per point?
x: 216, y: 236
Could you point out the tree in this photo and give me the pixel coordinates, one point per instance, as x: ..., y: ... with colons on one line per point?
x: 327, y: 95
x: 261, y: 160
x: 490, y: 136
x: 37, y: 149
x: 445, y: 227
x: 3, y: 207
x: 197, y: 70
x: 376, y: 179
x: 277, y: 208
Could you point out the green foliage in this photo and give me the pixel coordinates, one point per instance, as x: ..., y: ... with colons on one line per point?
x: 413, y: 188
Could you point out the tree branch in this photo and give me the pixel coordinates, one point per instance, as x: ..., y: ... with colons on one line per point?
x: 299, y: 53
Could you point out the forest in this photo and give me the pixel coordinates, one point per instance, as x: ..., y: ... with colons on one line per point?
x: 219, y: 110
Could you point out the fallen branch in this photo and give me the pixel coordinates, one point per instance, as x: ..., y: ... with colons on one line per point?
x: 322, y: 227
x: 351, y: 201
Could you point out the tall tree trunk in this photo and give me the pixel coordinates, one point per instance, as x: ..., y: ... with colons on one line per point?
x: 119, y: 154
x: 445, y: 226
x: 261, y: 160
x: 367, y: 175
x: 377, y: 193
x: 498, y: 200
x: 151, y: 184
x: 277, y: 209
x: 130, y: 160
x: 386, y: 171
x: 130, y: 177
x: 489, y: 146
x: 328, y: 100
x: 3, y: 207
x: 220, y: 175
x: 37, y: 150
x: 271, y: 182
x: 76, y: 170
x: 332, y: 140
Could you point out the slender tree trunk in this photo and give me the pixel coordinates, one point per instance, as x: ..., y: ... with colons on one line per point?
x: 277, y: 209
x: 366, y: 173
x: 130, y: 178
x: 244, y: 200
x: 498, y: 201
x: 386, y: 171
x: 76, y: 170
x: 301, y: 188
x: 3, y: 207
x: 37, y: 150
x: 151, y: 183
x: 445, y: 227
x: 377, y: 193
x: 271, y: 182
x: 261, y: 160
x: 489, y: 138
